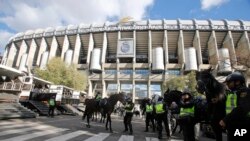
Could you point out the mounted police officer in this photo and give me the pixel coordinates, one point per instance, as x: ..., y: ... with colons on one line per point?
x: 128, y: 116
x: 161, y: 116
x: 237, y: 108
x: 149, y: 114
x: 98, y: 98
x: 186, y: 117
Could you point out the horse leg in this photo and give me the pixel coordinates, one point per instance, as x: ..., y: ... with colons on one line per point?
x: 107, y: 124
x: 110, y: 127
x: 88, y: 117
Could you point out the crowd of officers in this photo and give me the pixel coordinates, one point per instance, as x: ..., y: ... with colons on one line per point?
x: 237, y: 101
x: 237, y: 108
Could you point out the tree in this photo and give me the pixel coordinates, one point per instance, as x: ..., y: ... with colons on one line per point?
x: 181, y: 82
x: 174, y: 83
x: 61, y: 73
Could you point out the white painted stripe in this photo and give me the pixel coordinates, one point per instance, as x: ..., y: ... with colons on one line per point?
x: 67, y: 136
x: 98, y: 137
x: 18, y: 125
x: 14, y: 131
x: 151, y: 139
x: 126, y: 138
x: 34, y: 135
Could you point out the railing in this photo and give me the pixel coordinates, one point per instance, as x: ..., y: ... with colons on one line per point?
x: 10, y: 86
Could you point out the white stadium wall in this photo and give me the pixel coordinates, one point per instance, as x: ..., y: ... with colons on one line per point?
x: 156, y: 49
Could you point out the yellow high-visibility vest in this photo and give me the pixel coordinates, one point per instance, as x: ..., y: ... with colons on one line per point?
x: 231, y: 102
x: 149, y: 108
x: 159, y: 108
x: 187, y: 111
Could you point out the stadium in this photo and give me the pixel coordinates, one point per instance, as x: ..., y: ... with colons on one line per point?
x: 136, y: 56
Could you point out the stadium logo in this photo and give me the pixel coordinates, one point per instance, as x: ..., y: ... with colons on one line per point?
x: 125, y: 47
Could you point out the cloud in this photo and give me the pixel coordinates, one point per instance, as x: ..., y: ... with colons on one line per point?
x: 208, y: 4
x: 4, y: 38
x: 20, y: 16
x: 29, y: 14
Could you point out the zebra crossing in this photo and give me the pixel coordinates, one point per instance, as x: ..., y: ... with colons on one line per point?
x: 37, y: 131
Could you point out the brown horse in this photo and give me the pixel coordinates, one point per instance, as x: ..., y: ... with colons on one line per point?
x: 106, y: 106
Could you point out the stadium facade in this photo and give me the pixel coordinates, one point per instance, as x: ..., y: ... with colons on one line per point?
x: 135, y: 56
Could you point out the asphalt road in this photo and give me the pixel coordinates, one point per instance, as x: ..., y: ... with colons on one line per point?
x: 62, y: 128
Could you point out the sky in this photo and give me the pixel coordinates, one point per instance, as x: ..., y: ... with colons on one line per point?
x: 22, y: 15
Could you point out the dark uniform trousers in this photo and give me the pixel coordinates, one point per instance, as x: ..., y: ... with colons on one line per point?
x: 127, y: 121
x: 150, y: 117
x: 187, y: 124
x: 51, y: 111
x: 162, y: 118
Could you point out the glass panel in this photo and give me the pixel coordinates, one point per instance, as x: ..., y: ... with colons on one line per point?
x: 127, y: 88
x: 173, y: 72
x: 111, y: 88
x: 141, y: 90
x: 142, y: 71
x: 110, y: 71
x: 126, y: 71
x: 156, y: 89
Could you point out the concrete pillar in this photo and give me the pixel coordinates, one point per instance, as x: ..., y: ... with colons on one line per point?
x: 103, y: 58
x: 229, y: 43
x: 65, y: 46
x: 149, y: 89
x: 90, y: 90
x: 243, y: 50
x: 31, y: 53
x: 53, y: 48
x: 11, y: 55
x: 165, y: 47
x: 43, y: 47
x: 22, y: 50
x: 197, y: 46
x: 149, y: 53
x: 118, y: 66
x: 76, y: 49
x: 90, y: 48
x: 213, y: 49
x: 133, y: 90
x: 181, y: 54
x: 104, y: 92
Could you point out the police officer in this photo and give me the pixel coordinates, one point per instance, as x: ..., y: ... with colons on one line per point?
x: 98, y: 98
x: 128, y: 116
x: 186, y: 117
x: 149, y: 114
x: 52, y: 104
x: 161, y: 115
x: 237, y: 107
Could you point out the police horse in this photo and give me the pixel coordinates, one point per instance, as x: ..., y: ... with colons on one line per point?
x: 215, y: 97
x: 107, y: 106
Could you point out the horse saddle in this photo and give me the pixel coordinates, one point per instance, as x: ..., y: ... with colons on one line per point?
x: 103, y: 102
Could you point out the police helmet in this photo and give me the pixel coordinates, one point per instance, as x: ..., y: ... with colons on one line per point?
x: 236, y: 76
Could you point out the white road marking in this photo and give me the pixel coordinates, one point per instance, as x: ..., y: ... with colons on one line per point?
x: 98, y: 137
x: 126, y: 138
x: 151, y: 139
x: 14, y: 131
x: 34, y: 135
x: 67, y: 136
